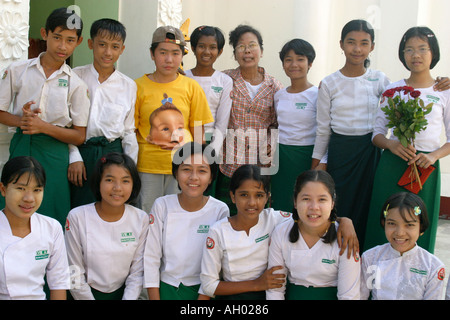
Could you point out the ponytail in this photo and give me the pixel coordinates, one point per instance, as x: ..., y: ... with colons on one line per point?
x: 294, y: 234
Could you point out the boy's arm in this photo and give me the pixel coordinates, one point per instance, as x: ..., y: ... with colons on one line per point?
x: 9, y: 119
x: 30, y: 123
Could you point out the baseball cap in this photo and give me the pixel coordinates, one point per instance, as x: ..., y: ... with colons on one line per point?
x: 160, y: 35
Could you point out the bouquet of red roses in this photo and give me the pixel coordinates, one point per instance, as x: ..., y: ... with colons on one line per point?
x: 406, y: 114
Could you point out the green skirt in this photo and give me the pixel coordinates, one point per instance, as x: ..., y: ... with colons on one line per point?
x: 293, y: 160
x: 389, y: 171
x: 168, y: 292
x: 295, y: 292
x: 91, y: 151
x: 53, y: 155
x: 352, y: 162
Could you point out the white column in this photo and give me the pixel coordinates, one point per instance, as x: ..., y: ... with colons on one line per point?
x: 14, y: 25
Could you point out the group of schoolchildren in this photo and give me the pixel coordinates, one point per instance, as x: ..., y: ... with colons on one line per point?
x: 127, y: 215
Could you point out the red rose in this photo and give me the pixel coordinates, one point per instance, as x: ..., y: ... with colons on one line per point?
x: 407, y: 89
x: 389, y: 93
x: 415, y: 94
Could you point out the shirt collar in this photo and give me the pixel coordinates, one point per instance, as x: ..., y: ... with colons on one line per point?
x: 95, y: 73
x: 405, y: 254
x: 64, y: 67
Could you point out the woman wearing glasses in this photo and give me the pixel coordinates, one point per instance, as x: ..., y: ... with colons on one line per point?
x: 252, y: 112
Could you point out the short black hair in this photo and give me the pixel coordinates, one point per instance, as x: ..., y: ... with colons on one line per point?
x: 65, y: 18
x: 18, y: 166
x: 190, y: 149
x: 236, y: 34
x: 406, y: 203
x: 114, y: 28
x: 207, y: 31
x: 300, y: 47
x: 249, y: 172
x: 425, y: 34
x: 120, y: 159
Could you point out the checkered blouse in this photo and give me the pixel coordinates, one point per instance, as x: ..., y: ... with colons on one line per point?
x: 246, y: 113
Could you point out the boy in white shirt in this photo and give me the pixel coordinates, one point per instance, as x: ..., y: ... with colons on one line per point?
x: 50, y: 108
x: 111, y: 120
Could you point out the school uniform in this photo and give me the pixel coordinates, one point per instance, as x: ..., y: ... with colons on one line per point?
x: 235, y: 256
x: 296, y: 117
x: 176, y: 237
x: 316, y: 273
x: 346, y: 111
x: 24, y: 262
x: 388, y: 275
x: 63, y: 100
x: 392, y: 167
x: 217, y: 89
x: 107, y: 255
x: 110, y: 127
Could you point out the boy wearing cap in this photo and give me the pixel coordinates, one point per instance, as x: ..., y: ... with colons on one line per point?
x: 154, y: 162
x: 50, y: 108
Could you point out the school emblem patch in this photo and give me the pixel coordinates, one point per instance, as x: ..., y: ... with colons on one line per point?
x: 285, y: 214
x: 441, y: 274
x: 151, y: 218
x: 67, y: 225
x: 210, y: 243
x: 5, y: 74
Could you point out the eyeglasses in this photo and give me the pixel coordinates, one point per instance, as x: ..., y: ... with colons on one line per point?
x: 242, y: 47
x: 421, y: 51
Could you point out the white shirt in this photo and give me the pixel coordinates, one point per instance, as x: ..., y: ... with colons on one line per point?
x: 447, y: 293
x: 428, y: 140
x: 347, y: 105
x: 112, y: 110
x: 415, y: 275
x: 236, y: 256
x: 25, y: 261
x: 318, y: 266
x: 296, y: 116
x: 108, y: 254
x: 175, y: 241
x: 217, y: 89
x: 62, y: 98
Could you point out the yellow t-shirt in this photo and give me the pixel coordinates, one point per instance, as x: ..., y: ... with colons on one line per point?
x: 187, y: 96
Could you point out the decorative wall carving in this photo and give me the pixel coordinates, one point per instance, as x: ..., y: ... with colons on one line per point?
x: 170, y: 13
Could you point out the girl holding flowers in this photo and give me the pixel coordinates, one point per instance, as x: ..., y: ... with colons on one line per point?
x: 419, y: 53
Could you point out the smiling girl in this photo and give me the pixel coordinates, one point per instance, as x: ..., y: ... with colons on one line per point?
x: 207, y: 44
x: 401, y: 269
x: 179, y: 224
x: 347, y: 104
x: 307, y: 247
x: 31, y: 245
x: 105, y: 239
x: 419, y: 53
x: 296, y: 115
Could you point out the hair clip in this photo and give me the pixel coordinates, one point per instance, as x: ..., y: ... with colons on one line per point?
x: 201, y: 28
x: 103, y: 159
x: 430, y: 35
x: 417, y: 210
x: 386, y: 210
